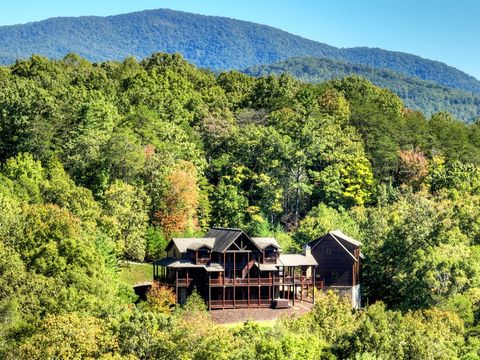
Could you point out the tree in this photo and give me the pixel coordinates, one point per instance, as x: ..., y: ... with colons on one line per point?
x: 160, y: 299
x: 126, y: 207
x: 413, y: 168
x: 322, y: 219
x: 177, y: 211
x: 68, y: 337
x: 228, y: 206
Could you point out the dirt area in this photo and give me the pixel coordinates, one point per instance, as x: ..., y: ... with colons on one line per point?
x: 257, y: 314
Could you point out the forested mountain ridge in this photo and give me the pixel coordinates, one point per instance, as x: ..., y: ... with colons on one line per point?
x: 103, y: 163
x: 206, y: 41
x: 417, y: 94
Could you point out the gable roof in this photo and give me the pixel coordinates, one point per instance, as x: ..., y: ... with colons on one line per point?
x: 224, y: 237
x: 183, y: 244
x: 338, y: 236
x: 198, y: 245
x: 264, y: 242
x: 219, y: 239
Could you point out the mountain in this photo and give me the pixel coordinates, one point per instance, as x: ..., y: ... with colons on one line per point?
x: 417, y: 94
x: 217, y: 43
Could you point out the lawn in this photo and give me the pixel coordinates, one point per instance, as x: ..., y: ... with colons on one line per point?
x: 136, y: 273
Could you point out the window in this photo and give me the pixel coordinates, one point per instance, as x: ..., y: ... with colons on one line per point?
x: 328, y: 251
x: 334, y: 276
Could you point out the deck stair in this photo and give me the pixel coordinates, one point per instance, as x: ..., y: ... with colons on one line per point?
x: 247, y: 268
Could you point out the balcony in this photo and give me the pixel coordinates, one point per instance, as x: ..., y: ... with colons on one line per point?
x: 220, y: 304
x: 288, y: 280
x: 254, y: 281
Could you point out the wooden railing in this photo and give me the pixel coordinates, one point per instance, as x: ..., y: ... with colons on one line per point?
x: 216, y: 304
x: 288, y: 280
x: 277, y: 280
x: 184, y: 282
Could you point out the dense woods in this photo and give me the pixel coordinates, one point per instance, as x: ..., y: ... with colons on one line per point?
x: 102, y: 163
x: 425, y: 96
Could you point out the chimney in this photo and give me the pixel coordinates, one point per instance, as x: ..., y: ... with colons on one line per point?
x: 308, y: 250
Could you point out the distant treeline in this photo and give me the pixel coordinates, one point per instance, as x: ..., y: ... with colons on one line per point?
x: 417, y: 94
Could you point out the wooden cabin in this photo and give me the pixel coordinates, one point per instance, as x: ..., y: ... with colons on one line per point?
x: 339, y: 264
x: 233, y: 270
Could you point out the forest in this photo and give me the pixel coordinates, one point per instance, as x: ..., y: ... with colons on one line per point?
x: 425, y: 96
x: 213, y: 42
x: 103, y: 163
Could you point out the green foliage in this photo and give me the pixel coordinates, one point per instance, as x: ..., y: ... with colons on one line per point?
x: 68, y: 337
x: 322, y: 219
x: 426, y: 96
x: 208, y: 42
x: 126, y: 209
x: 160, y: 299
x: 106, y: 162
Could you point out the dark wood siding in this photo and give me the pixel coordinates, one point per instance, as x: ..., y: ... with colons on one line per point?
x: 335, y: 264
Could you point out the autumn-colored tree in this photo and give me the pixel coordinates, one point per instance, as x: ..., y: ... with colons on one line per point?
x: 178, y: 211
x: 412, y: 167
x: 160, y: 299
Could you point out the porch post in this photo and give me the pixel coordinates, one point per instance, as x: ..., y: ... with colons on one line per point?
x: 176, y: 284
x: 273, y: 287
x: 224, y: 296
x: 301, y: 289
x: 293, y: 293
x: 248, y: 268
x: 313, y: 284
x: 209, y: 291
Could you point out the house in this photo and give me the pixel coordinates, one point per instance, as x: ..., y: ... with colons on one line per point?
x: 233, y: 270
x: 339, y: 264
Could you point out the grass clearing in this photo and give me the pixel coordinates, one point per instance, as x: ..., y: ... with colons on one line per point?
x: 136, y: 273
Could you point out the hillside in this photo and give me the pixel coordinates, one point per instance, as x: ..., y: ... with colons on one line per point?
x: 102, y: 164
x: 417, y: 94
x: 206, y: 41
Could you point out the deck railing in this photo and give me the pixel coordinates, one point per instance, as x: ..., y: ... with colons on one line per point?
x: 217, y: 304
x: 277, y: 280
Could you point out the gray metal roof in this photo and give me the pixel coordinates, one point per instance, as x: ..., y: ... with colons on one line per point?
x: 219, y: 239
x: 198, y: 245
x: 296, y: 260
x: 224, y: 237
x: 183, y: 244
x: 339, y: 234
x: 214, y: 267
x: 177, y: 263
x: 264, y: 242
x: 267, y: 267
x: 186, y: 264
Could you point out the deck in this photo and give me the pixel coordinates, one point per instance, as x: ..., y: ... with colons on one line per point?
x: 240, y: 315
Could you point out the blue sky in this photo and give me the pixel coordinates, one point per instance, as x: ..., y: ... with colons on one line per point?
x: 443, y: 30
